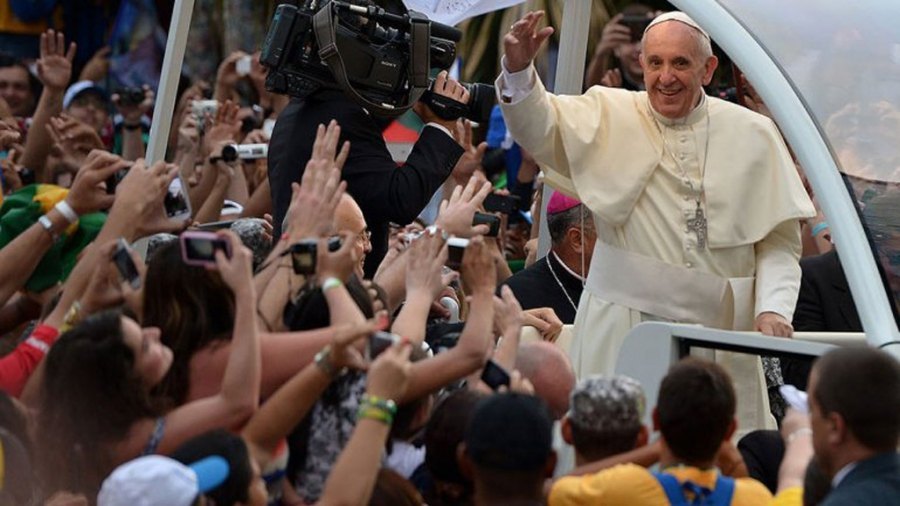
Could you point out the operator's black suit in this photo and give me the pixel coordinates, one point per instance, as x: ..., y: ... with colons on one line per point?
x: 385, y: 192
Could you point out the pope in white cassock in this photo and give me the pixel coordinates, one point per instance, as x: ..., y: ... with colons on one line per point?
x: 696, y: 201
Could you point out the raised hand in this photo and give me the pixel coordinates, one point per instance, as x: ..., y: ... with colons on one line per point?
x: 314, y: 200
x: 446, y: 86
x: 523, y: 41
x: 614, y: 35
x: 225, y: 127
x: 132, y: 113
x: 336, y: 264
x: 9, y: 135
x: 456, y: 215
x: 140, y: 196
x: 479, y: 273
x: 472, y: 156
x: 424, y: 269
x: 344, y: 353
x: 97, y: 67
x: 236, y: 270
x: 388, y: 375
x: 54, y: 68
x: 75, y: 138
x: 88, y: 193
x: 508, y: 316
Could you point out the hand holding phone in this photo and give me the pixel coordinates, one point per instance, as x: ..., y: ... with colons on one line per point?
x: 491, y: 220
x: 494, y: 376
x: 378, y: 342
x: 199, y: 248
x: 125, y: 264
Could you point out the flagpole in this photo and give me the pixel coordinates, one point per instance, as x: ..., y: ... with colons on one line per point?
x: 569, y: 80
x: 166, y: 94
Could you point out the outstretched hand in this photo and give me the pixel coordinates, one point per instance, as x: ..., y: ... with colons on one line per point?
x: 314, y: 200
x: 54, y: 68
x: 523, y: 41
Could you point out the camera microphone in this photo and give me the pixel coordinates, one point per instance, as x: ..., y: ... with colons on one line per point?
x: 400, y: 21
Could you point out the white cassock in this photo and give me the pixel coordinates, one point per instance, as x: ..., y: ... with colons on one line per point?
x: 643, y: 176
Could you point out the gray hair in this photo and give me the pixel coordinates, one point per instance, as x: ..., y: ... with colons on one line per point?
x: 607, y: 403
x: 558, y: 223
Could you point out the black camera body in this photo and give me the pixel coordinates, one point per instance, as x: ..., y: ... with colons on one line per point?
x: 379, y: 59
x: 131, y: 96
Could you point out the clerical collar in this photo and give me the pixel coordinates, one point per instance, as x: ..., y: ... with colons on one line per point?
x: 696, y: 115
x: 566, y: 267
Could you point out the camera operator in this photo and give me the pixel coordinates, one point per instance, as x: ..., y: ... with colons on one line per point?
x: 385, y: 192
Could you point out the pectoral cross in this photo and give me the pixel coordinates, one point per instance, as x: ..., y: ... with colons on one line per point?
x: 697, y: 225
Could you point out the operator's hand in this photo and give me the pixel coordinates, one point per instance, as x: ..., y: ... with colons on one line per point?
x: 523, y: 41
x: 446, y: 86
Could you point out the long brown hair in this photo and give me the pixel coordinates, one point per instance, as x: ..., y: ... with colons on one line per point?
x: 192, y: 307
x: 90, y: 397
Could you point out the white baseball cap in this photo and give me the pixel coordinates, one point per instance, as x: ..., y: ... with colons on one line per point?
x: 155, y: 480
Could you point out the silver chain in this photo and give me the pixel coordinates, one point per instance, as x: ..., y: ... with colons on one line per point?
x: 558, y: 282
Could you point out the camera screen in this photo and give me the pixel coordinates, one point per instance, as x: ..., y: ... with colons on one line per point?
x: 126, y: 266
x: 201, y: 249
x: 176, y: 199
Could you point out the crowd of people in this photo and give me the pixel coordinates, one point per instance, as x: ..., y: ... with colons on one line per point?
x: 281, y: 313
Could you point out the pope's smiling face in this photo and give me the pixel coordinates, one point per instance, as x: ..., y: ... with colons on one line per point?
x: 675, y: 68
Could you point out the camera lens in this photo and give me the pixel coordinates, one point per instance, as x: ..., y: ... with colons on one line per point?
x: 229, y: 153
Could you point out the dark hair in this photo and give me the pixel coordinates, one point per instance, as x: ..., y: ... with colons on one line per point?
x: 816, y: 484
x: 391, y: 489
x: 90, y: 398
x: 34, y: 84
x: 558, y: 223
x: 844, y: 377
x: 403, y: 427
x: 695, y: 407
x: 445, y: 430
x: 14, y: 421
x: 598, y: 444
x: 192, y: 307
x: 310, y: 310
x: 233, y: 449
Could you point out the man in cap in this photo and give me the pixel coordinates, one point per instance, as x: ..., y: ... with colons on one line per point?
x: 604, y: 418
x: 696, y: 201
x: 556, y: 280
x: 155, y: 480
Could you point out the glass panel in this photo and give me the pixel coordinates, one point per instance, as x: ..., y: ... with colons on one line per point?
x: 843, y: 57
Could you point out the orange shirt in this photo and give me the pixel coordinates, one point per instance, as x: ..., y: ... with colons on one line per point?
x: 633, y: 485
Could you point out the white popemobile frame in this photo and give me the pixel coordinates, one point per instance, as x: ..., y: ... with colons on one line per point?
x: 652, y: 346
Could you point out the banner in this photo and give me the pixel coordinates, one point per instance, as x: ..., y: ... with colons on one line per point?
x: 453, y: 12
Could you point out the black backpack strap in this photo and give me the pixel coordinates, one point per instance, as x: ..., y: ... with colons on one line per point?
x: 420, y: 60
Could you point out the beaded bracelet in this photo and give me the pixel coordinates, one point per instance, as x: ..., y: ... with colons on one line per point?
x: 373, y: 412
x: 380, y: 402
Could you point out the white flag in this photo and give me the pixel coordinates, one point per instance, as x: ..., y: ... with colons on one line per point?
x: 452, y: 12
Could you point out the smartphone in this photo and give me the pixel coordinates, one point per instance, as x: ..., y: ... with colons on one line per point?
x: 112, y: 182
x: 491, y: 220
x: 215, y: 225
x: 177, y: 203
x: 378, y: 342
x: 125, y: 264
x: 506, y: 204
x: 456, y: 248
x: 199, y: 248
x: 242, y: 66
x: 637, y: 24
x: 494, y: 376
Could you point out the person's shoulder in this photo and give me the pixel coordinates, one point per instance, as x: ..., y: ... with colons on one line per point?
x: 622, y: 481
x: 748, y: 491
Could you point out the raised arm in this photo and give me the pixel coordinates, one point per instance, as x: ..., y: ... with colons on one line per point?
x: 239, y: 395
x: 353, y: 476
x: 55, y: 71
x: 470, y: 352
x: 424, y: 282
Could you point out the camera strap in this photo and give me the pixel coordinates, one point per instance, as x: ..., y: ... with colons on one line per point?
x: 420, y: 60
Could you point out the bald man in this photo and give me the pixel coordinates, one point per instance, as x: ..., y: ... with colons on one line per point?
x: 348, y: 217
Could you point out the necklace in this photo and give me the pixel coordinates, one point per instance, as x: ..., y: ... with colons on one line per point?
x: 558, y: 282
x: 697, y: 224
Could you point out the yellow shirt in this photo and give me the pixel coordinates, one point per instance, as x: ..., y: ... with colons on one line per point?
x: 633, y: 485
x: 788, y: 497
